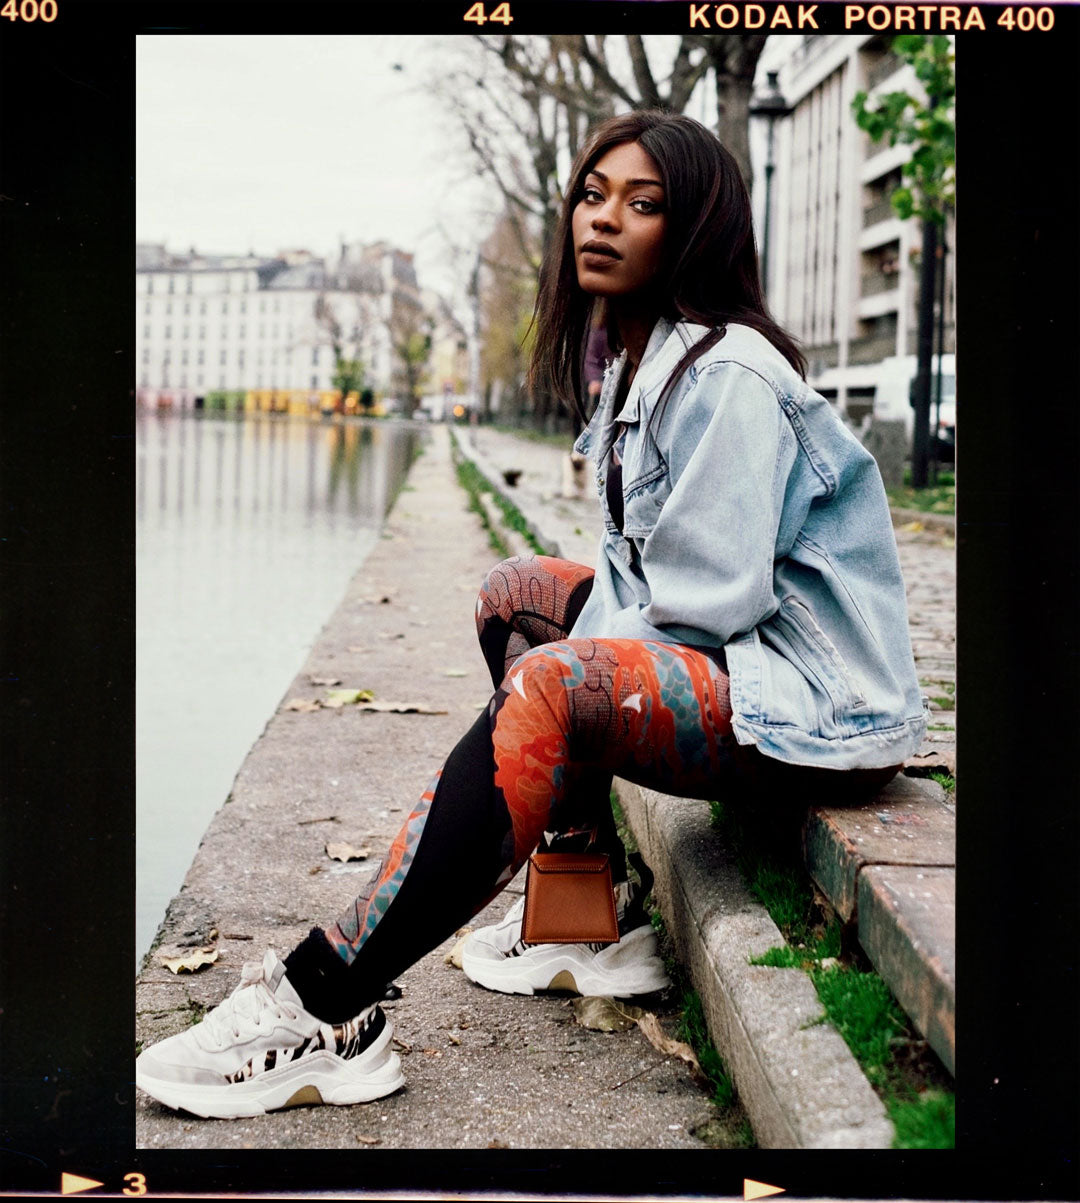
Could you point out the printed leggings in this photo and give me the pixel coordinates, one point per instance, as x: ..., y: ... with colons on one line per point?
x: 565, y: 716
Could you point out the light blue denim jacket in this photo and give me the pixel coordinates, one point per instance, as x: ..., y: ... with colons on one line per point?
x: 756, y: 522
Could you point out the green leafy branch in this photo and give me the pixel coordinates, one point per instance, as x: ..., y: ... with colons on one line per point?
x: 929, y: 125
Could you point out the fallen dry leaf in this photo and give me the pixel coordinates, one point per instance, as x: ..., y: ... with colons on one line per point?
x: 306, y: 705
x: 650, y: 1026
x: 453, y: 957
x: 455, y: 672
x: 401, y: 707
x: 186, y: 960
x: 345, y: 852
x: 605, y: 1014
x: 431, y: 1052
x: 915, y: 526
x: 369, y: 1140
x: 326, y: 680
x: 346, y: 697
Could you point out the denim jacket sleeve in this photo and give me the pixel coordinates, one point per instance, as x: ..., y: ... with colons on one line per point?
x: 709, y: 557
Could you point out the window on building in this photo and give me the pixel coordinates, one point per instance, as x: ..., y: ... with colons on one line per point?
x: 242, y: 328
x: 146, y: 330
x: 315, y: 357
x: 223, y: 355
x: 172, y: 284
x: 221, y: 380
x: 146, y: 380
x: 168, y: 306
x: 168, y: 331
x: 262, y: 330
x: 199, y: 381
x: 191, y: 284
x: 202, y: 357
x: 185, y: 332
x: 262, y: 305
x: 146, y: 355
x: 240, y: 357
x: 224, y: 306
x: 165, y: 375
x: 224, y: 333
x: 183, y: 357
x: 149, y: 307
x: 187, y: 308
x: 183, y: 379
x: 149, y: 284
x: 314, y: 382
x: 202, y: 331
x: 202, y: 307
x: 168, y: 355
x: 277, y: 304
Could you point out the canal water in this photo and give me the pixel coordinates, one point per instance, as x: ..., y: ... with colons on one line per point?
x: 248, y: 532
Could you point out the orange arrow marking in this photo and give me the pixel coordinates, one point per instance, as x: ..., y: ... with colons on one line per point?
x: 71, y: 1184
x: 759, y: 1190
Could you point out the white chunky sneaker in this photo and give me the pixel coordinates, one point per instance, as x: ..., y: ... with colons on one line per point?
x: 494, y: 957
x: 260, y: 1051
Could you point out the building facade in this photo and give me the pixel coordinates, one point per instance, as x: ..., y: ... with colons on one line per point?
x: 262, y: 331
x: 843, y: 268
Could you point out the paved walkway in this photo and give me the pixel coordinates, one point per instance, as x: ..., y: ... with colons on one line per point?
x: 262, y: 876
x: 483, y: 1070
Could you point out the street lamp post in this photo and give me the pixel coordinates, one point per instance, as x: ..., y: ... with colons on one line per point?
x: 770, y: 105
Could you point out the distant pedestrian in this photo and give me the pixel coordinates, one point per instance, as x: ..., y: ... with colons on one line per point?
x: 745, y: 625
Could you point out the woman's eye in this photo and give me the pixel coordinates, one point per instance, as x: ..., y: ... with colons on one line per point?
x: 591, y: 195
x: 646, y: 206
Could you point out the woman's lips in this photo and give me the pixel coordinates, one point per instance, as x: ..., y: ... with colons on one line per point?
x: 599, y: 255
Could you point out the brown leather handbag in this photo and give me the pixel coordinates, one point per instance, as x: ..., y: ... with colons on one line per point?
x: 569, y: 899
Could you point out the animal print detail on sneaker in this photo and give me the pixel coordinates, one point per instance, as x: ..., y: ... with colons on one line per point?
x: 260, y: 1051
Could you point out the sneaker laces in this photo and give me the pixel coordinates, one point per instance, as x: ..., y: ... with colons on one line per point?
x: 245, y: 1006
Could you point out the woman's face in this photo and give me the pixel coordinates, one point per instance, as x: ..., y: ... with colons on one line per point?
x: 618, y: 226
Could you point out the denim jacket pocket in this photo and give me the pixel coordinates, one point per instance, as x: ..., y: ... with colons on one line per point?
x: 643, y: 499
x: 795, y: 630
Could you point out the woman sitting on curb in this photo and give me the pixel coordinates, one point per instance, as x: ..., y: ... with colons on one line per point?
x: 745, y: 625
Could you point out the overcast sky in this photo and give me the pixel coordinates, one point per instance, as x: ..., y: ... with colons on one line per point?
x: 271, y: 142
x: 264, y: 143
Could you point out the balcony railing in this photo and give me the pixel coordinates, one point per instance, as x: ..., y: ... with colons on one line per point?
x: 870, y: 350
x: 874, y: 283
x: 882, y: 69
x: 881, y: 210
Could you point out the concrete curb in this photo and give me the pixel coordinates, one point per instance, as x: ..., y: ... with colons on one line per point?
x: 797, y: 1079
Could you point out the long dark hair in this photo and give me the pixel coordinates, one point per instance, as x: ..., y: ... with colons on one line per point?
x: 710, y: 273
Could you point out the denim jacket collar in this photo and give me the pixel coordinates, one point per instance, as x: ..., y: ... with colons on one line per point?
x: 666, y: 346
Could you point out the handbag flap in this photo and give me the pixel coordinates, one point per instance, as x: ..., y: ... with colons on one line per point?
x: 568, y: 862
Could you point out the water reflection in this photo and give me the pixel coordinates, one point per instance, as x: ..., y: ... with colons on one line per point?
x: 248, y: 531
x: 349, y: 469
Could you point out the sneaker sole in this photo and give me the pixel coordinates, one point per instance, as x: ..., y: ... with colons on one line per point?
x: 573, y: 967
x: 322, y: 1077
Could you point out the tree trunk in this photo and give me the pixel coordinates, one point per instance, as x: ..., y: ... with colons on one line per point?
x: 927, y: 276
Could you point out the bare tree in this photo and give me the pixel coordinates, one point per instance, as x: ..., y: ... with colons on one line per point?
x: 410, y: 331
x: 528, y: 102
x: 349, y: 370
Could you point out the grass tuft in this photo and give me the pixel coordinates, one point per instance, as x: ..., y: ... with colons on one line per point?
x: 857, y: 1002
x: 693, y: 1030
